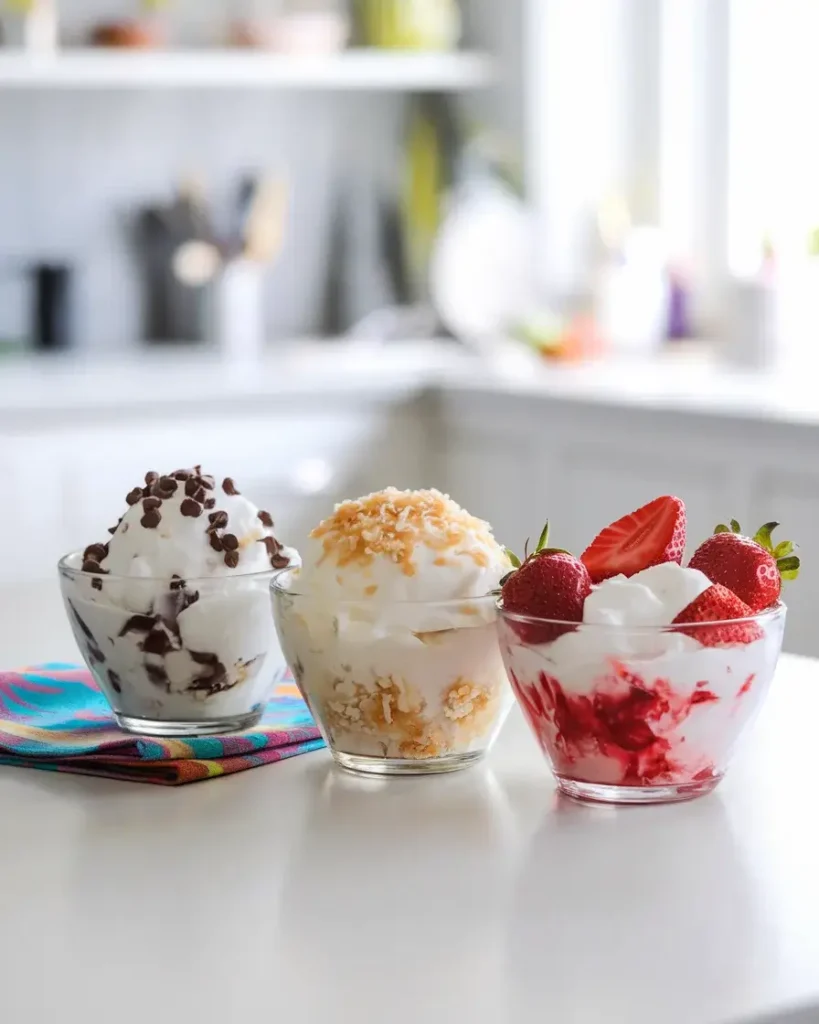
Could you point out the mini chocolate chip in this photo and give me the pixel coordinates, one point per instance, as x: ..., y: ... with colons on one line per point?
x: 266, y: 518
x: 218, y: 520
x: 177, y: 583
x: 132, y: 497
x: 200, y: 495
x: 210, y: 503
x: 216, y: 543
x: 231, y: 559
x: 181, y: 474
x: 151, y: 519
x: 279, y: 561
x: 96, y: 583
x: 167, y: 483
x: 92, y: 565
x: 114, y: 680
x: 272, y: 545
x: 149, y: 504
x: 231, y: 542
x: 96, y: 551
x: 190, y: 508
x: 208, y: 482
x: 151, y: 478
x: 229, y: 487
x: 191, y: 486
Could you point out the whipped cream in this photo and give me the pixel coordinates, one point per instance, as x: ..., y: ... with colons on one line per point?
x: 653, y: 597
x: 402, y: 546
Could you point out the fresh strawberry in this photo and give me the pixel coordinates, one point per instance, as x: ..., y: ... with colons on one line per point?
x: 653, y: 534
x: 718, y: 604
x: 550, y: 584
x: 750, y: 566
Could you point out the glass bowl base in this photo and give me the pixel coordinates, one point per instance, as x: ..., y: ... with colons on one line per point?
x: 208, y: 727
x: 364, y: 765
x: 603, y: 793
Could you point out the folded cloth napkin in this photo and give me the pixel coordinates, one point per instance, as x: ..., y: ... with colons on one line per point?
x: 54, y: 717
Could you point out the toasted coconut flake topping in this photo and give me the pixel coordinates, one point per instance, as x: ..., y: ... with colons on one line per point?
x: 390, y: 523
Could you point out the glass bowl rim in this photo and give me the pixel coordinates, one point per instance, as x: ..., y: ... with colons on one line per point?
x: 64, y: 569
x: 279, y: 588
x: 767, y: 615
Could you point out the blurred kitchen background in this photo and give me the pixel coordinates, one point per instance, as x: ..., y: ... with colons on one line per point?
x: 553, y: 256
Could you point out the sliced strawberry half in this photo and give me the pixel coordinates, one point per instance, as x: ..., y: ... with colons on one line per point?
x: 720, y: 605
x: 653, y: 534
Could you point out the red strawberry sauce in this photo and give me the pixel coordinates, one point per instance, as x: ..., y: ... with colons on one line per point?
x: 625, y: 721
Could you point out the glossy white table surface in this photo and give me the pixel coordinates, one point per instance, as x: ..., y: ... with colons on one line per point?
x: 295, y: 893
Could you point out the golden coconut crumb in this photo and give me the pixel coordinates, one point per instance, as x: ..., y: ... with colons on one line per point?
x: 391, y: 522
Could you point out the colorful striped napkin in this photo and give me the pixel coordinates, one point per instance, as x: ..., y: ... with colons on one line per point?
x: 53, y: 717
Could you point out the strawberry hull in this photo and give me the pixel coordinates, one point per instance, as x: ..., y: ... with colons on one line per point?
x: 640, y: 715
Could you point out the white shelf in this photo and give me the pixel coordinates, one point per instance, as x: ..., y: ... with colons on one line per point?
x: 225, y: 69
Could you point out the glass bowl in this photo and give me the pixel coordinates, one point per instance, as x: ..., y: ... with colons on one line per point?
x: 643, y: 714
x: 175, y: 658
x: 402, y: 688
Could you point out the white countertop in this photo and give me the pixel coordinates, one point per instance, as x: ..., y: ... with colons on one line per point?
x: 296, y: 893
x: 682, y: 380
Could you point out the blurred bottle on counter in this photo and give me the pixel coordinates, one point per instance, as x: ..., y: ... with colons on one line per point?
x: 408, y: 24
x: 631, y: 282
x: 753, y: 314
x: 32, y: 25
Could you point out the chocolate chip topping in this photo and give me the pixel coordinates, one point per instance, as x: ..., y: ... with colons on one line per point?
x: 279, y: 561
x: 151, y: 478
x: 272, y: 545
x: 92, y: 565
x: 151, y: 520
x: 191, y: 486
x: 149, y: 504
x: 207, y: 482
x: 138, y: 624
x: 210, y: 503
x: 132, y: 497
x: 96, y: 583
x: 177, y: 583
x: 157, y: 642
x: 167, y: 483
x: 190, y: 508
x: 95, y: 551
x: 216, y: 543
x: 218, y: 520
x: 231, y: 542
x: 266, y: 518
x: 229, y: 487
x: 231, y: 559
x: 181, y: 474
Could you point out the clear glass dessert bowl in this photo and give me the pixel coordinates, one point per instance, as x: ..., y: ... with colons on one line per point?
x: 175, y: 657
x: 640, y: 714
x: 397, y: 688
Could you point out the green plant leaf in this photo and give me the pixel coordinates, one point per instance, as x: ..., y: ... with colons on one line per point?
x: 722, y: 528
x: 789, y: 574
x: 735, y: 527
x: 543, y: 540
x: 786, y: 547
x: 513, y: 558
x: 788, y: 565
x: 763, y: 536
